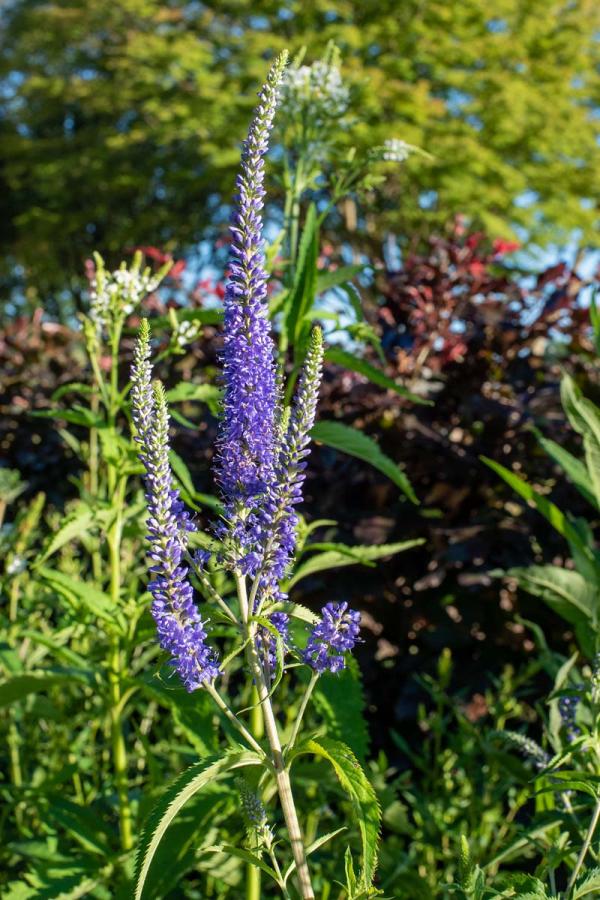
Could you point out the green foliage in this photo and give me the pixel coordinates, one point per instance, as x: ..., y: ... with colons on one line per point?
x: 575, y: 595
x: 183, y: 789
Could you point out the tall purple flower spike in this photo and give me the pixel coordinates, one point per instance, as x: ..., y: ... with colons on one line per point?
x: 246, y: 444
x: 336, y: 633
x: 180, y: 629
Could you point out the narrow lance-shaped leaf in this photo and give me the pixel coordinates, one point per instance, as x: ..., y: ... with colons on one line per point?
x: 353, y: 442
x: 356, y: 364
x: 359, y: 555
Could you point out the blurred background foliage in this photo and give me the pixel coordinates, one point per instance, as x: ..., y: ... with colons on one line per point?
x: 122, y: 121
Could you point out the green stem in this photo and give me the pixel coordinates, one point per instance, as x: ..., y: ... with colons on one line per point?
x: 118, y: 746
x: 297, y: 724
x: 584, y: 848
x: 115, y: 671
x: 253, y: 881
x: 237, y: 723
x: 257, y: 727
x: 209, y: 589
x: 94, y: 481
x: 282, y: 777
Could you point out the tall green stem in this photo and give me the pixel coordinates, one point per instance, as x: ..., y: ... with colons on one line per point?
x: 253, y: 873
x: 115, y: 671
x: 302, y: 710
x: 584, y: 849
x: 282, y: 777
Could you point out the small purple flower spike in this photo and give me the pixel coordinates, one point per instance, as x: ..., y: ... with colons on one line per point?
x: 180, y: 629
x: 336, y: 633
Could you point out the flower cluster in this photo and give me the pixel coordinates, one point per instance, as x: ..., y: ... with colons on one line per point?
x: 317, y: 89
x: 186, y: 332
x: 246, y: 445
x: 286, y: 491
x: 528, y: 748
x: 337, y: 632
x: 115, y: 295
x: 180, y: 629
x: 396, y: 150
x: 260, y: 460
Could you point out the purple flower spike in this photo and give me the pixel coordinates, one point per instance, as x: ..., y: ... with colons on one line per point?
x: 180, y: 629
x: 246, y: 444
x: 336, y: 633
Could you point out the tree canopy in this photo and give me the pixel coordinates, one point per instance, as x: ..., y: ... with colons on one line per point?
x: 121, y: 122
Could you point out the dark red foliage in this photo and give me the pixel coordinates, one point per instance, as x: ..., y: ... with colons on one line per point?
x: 459, y: 298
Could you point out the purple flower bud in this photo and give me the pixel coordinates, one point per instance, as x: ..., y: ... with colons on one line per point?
x: 336, y: 633
x: 180, y: 629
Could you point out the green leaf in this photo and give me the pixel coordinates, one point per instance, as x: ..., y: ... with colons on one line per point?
x: 22, y: 685
x: 77, y: 415
x: 573, y: 468
x: 204, y: 316
x: 340, y: 702
x: 587, y: 884
x: 303, y: 292
x: 319, y: 842
x: 80, y: 593
x: 349, y: 361
x: 584, y: 416
x: 73, y: 387
x: 82, y: 822
x: 567, y: 593
x: 335, y: 559
x: 360, y: 792
x: 331, y: 278
x: 561, y: 588
x: 74, y: 525
x: 246, y: 855
x: 176, y: 796
x: 353, y: 442
x: 551, y: 512
x: 187, y: 391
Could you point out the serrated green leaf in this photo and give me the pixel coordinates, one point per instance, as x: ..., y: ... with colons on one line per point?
x: 587, y: 884
x: 552, y: 514
x: 340, y: 701
x: 353, y: 442
x: 303, y: 292
x: 82, y: 822
x: 332, y: 278
x: 567, y: 593
x: 176, y: 796
x: 360, y: 792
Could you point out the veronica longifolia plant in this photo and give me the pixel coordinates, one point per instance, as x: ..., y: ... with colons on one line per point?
x: 260, y: 464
